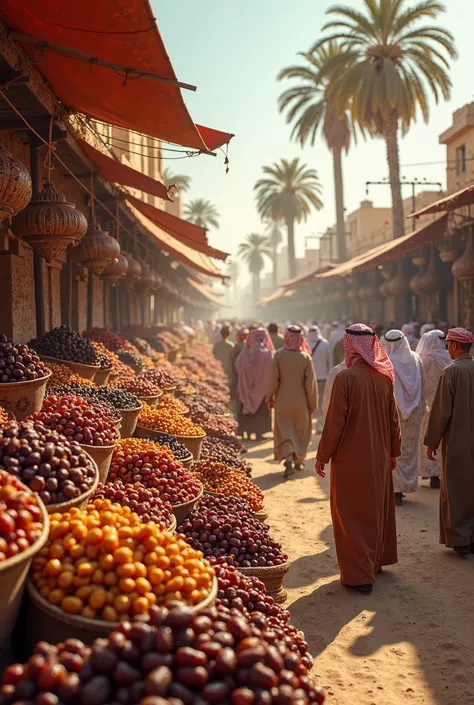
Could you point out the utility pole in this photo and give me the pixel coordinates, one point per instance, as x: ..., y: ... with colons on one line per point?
x: 404, y: 182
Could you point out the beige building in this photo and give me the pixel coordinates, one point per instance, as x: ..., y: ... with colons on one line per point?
x: 459, y: 141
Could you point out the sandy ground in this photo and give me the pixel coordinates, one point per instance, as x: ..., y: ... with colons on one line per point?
x: 412, y: 640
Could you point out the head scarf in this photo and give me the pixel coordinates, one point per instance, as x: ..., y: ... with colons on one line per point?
x: 408, y: 330
x: 460, y: 335
x: 426, y: 327
x: 433, y: 346
x: 408, y: 371
x: 314, y: 335
x: 295, y: 341
x: 241, y: 335
x: 253, y: 367
x: 360, y: 342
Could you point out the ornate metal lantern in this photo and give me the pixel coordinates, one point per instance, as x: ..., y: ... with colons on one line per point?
x: 134, y: 270
x: 399, y: 285
x: 147, y: 278
x: 50, y: 223
x: 97, y: 249
x: 15, y: 184
x: 463, y: 267
x: 115, y: 271
x: 429, y: 281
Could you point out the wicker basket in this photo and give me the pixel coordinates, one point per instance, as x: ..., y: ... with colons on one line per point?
x: 23, y: 398
x: 86, y: 371
x: 129, y: 421
x: 102, y: 377
x: 182, y: 511
x: 79, y: 502
x: 102, y: 456
x: 151, y: 401
x: 261, y: 515
x: 13, y: 574
x: 192, y: 443
x: 172, y: 527
x: 186, y: 463
x: 169, y: 390
x: 47, y: 619
x: 271, y: 577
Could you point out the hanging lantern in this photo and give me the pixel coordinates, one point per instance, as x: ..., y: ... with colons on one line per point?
x: 463, y: 267
x: 97, y: 249
x: 399, y: 284
x: 415, y: 285
x: 116, y: 271
x: 134, y: 270
x: 15, y: 184
x: 49, y: 224
x: 147, y: 278
x: 429, y: 282
x: 418, y: 258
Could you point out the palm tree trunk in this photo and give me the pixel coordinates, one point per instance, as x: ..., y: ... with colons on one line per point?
x: 255, y: 288
x: 275, y: 265
x: 393, y: 158
x: 339, y: 194
x: 290, y: 226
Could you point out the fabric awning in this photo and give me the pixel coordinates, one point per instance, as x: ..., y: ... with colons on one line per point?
x: 208, y: 294
x: 388, y: 250
x: 308, y: 276
x: 118, y: 173
x: 187, y: 233
x: 459, y: 199
x: 123, y: 33
x: 181, y: 252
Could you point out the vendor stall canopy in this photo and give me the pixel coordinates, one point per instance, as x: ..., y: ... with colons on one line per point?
x: 71, y: 41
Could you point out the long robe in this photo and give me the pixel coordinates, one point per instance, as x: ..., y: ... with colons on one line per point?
x: 361, y: 433
x: 452, y: 423
x: 293, y: 385
x: 223, y: 351
x: 405, y: 475
x: 428, y: 468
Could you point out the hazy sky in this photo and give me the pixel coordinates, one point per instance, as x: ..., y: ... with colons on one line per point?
x: 232, y: 50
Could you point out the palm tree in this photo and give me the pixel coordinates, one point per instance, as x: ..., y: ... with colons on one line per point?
x: 275, y: 238
x: 253, y: 252
x: 288, y: 192
x: 233, y: 270
x: 392, y: 56
x: 308, y: 107
x: 203, y: 213
x: 181, y: 182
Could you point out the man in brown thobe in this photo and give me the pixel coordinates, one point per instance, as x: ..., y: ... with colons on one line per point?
x: 452, y: 423
x: 293, y: 392
x: 361, y: 437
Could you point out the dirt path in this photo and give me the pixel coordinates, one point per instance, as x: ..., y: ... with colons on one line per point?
x: 412, y: 640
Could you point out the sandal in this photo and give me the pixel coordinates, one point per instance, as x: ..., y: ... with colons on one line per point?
x: 299, y: 466
x: 289, y: 469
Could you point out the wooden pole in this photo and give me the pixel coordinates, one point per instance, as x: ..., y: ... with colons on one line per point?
x: 37, y: 260
x: 90, y: 299
x: 42, y: 45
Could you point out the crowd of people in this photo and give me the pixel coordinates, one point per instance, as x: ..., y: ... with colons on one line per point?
x: 392, y: 406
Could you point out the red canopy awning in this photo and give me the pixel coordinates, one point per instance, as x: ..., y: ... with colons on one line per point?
x: 180, y: 252
x: 189, y: 234
x: 119, y: 173
x: 123, y: 33
x: 459, y: 199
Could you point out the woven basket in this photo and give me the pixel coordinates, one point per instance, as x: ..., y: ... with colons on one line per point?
x: 261, y: 515
x: 102, y: 377
x: 79, y: 502
x: 13, y: 574
x: 102, y: 456
x: 271, y: 577
x: 86, y: 371
x: 23, y: 398
x: 192, y: 443
x: 47, y: 619
x: 152, y: 400
x: 182, y: 511
x: 129, y: 421
x: 186, y: 463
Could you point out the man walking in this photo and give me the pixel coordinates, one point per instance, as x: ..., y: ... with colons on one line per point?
x: 451, y: 423
x: 361, y: 437
x: 224, y: 352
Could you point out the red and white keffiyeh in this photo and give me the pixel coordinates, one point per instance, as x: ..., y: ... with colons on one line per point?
x: 360, y: 341
x: 294, y: 340
x: 460, y: 335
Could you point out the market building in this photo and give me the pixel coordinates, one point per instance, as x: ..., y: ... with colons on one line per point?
x: 426, y: 275
x: 70, y: 119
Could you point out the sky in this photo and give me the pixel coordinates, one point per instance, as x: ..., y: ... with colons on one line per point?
x: 232, y: 50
